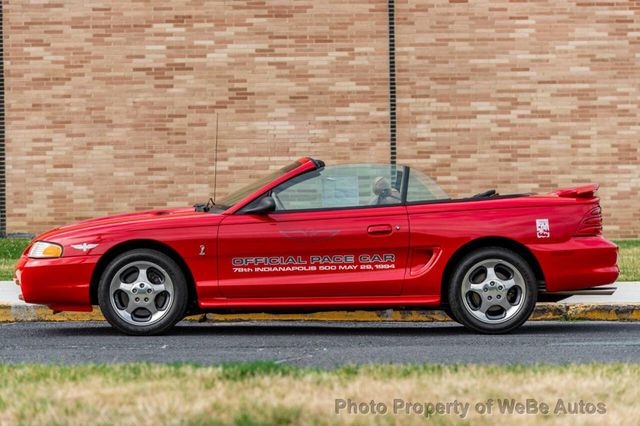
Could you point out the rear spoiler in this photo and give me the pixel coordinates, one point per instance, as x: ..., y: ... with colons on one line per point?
x: 587, y: 191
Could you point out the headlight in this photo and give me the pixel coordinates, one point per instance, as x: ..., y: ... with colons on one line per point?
x: 43, y: 250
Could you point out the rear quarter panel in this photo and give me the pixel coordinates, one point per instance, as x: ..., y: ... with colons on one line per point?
x: 439, y: 230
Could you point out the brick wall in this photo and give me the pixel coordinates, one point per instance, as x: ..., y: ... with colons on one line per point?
x: 111, y: 106
x: 524, y: 95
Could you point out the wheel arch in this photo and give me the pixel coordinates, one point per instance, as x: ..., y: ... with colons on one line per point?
x: 126, y: 246
x: 478, y: 243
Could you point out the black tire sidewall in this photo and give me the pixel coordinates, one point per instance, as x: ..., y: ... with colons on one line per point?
x: 455, y: 297
x: 447, y: 310
x: 177, y: 309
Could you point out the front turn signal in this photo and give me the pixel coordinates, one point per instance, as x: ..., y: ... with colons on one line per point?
x: 45, y: 250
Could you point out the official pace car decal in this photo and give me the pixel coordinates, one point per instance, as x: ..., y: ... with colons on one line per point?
x: 313, y: 263
x: 542, y: 228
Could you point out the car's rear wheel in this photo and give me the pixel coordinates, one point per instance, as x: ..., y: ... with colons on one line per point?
x: 143, y: 292
x: 493, y: 290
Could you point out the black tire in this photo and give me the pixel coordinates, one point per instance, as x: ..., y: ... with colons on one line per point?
x: 176, y: 304
x: 447, y: 310
x: 462, y: 307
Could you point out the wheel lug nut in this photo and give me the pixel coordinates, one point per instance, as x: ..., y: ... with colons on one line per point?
x: 486, y: 289
x: 141, y: 285
x: 499, y: 287
x: 148, y: 290
x: 499, y: 297
x: 489, y: 297
x: 493, y: 283
x: 146, y: 299
x: 137, y: 299
x: 134, y: 291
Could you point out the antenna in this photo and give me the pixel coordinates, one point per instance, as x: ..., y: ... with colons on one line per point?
x: 215, y: 162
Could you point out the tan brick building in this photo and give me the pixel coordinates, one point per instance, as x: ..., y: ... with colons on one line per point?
x: 111, y: 106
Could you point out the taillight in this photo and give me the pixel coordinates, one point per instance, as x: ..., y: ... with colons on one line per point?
x: 591, y: 223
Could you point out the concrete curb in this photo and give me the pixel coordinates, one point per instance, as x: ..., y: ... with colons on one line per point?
x: 543, y: 312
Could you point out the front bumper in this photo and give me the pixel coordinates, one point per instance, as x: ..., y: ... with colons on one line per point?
x: 581, y: 262
x: 62, y: 283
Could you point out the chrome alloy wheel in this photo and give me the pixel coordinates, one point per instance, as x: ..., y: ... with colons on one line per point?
x: 141, y: 293
x: 493, y: 291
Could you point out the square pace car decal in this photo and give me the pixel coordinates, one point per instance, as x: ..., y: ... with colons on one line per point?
x: 313, y: 263
x: 542, y: 228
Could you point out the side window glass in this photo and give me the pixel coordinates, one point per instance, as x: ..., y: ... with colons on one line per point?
x: 422, y: 188
x: 341, y: 187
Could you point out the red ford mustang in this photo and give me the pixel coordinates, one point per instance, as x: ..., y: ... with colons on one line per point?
x: 314, y: 237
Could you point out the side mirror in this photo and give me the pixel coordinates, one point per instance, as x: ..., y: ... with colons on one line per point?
x: 264, y: 206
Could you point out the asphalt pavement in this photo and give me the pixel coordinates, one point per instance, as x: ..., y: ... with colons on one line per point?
x: 322, y: 345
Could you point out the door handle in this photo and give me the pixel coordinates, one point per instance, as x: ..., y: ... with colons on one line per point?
x: 379, y: 229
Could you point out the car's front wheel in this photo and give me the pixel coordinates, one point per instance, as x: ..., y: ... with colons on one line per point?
x: 493, y: 290
x: 143, y: 292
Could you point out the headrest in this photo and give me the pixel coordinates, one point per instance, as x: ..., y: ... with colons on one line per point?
x: 381, y: 186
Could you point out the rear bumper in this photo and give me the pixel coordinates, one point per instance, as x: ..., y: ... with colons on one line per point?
x: 62, y: 283
x: 581, y: 262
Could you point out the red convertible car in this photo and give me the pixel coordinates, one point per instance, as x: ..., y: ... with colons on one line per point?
x: 311, y: 237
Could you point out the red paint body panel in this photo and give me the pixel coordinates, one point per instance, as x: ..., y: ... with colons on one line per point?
x: 383, y: 256
x: 587, y: 261
x: 63, y: 281
x: 334, y: 233
x: 319, y: 303
x: 577, y: 263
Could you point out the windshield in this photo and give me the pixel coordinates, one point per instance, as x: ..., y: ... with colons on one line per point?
x: 249, y: 189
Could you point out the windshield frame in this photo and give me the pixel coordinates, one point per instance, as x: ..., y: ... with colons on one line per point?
x: 304, y: 165
x: 241, y: 193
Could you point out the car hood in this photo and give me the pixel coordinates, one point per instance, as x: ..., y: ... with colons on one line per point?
x: 107, y: 223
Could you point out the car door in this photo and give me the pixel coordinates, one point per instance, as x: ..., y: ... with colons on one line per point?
x: 330, y: 236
